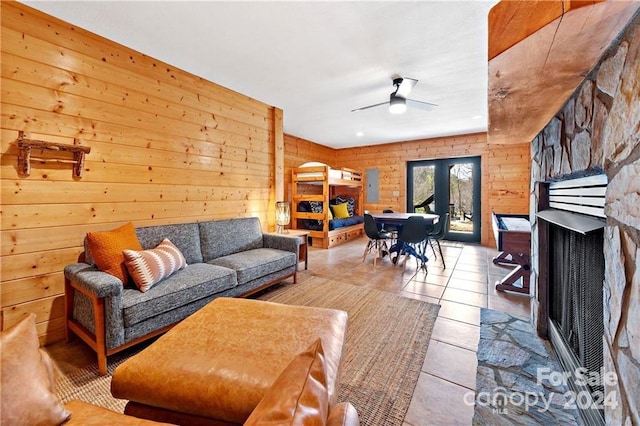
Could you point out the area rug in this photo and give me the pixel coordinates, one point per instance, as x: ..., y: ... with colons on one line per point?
x: 387, y: 340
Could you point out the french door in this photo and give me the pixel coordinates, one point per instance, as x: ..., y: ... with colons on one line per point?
x: 450, y: 185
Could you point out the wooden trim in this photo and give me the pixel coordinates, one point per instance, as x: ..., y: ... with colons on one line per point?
x: 270, y: 283
x: 141, y: 339
x: 69, y: 293
x: 279, y: 153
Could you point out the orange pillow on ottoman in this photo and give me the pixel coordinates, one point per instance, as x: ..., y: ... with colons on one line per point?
x: 106, y: 249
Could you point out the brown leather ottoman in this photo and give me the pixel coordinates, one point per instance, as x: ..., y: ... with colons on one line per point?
x: 215, y: 366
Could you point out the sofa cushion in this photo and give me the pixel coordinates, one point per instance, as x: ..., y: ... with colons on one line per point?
x: 185, y: 236
x: 106, y: 249
x: 253, y: 264
x: 28, y: 391
x: 299, y: 395
x: 192, y: 283
x: 147, y: 267
x: 222, y: 237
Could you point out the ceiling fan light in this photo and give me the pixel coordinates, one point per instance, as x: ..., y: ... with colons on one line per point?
x: 397, y: 105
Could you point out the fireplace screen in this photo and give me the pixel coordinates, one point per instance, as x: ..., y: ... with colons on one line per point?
x: 576, y: 267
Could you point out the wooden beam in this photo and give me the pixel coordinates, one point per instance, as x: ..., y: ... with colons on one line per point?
x: 511, y: 21
x: 530, y: 82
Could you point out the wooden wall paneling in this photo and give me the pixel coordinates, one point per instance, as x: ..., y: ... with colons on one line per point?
x: 44, y: 99
x: 142, y: 172
x: 43, y: 75
x: 48, y: 124
x: 51, y: 331
x: 507, y: 189
x: 37, y: 263
x: 63, y: 35
x: 51, y: 192
x: 45, y: 309
x: 23, y: 290
x: 40, y: 216
x: 166, y: 147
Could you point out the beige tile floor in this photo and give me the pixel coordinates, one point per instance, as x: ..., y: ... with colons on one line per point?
x: 462, y: 288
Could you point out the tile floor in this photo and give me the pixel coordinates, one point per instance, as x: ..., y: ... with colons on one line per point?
x: 445, y: 390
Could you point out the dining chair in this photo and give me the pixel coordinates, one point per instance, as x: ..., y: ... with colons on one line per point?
x: 413, y: 239
x: 377, y: 239
x: 438, y: 234
x: 392, y: 229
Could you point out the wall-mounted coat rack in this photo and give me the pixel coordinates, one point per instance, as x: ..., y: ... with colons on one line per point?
x: 25, y: 146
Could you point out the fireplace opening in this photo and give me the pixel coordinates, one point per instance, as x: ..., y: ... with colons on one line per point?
x: 576, y: 274
x: 570, y: 285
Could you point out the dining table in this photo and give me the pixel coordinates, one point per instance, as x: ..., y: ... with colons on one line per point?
x: 398, y: 220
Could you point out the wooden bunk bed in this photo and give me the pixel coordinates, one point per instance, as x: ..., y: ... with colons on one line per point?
x: 320, y: 183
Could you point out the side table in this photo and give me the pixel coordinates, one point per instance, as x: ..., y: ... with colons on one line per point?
x: 302, y: 235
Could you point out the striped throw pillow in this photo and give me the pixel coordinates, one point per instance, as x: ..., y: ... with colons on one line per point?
x: 147, y: 267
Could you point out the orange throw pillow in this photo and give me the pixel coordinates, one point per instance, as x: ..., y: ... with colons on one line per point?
x: 106, y: 249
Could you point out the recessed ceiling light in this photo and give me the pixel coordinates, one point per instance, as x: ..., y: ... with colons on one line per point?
x: 476, y: 117
x: 359, y: 134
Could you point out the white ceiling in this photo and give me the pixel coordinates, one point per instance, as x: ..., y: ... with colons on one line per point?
x: 317, y: 60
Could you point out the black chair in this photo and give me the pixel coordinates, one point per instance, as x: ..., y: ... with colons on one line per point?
x: 392, y: 229
x: 377, y: 239
x: 413, y: 240
x: 437, y: 234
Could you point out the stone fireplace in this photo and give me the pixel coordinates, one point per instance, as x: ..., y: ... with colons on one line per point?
x: 570, y: 275
x: 598, y: 131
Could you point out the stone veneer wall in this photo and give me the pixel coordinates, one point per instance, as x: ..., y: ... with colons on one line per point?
x: 598, y: 129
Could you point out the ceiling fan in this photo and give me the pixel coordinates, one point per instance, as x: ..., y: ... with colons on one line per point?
x: 398, y: 101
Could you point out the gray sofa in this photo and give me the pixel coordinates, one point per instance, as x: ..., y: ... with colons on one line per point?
x: 224, y: 258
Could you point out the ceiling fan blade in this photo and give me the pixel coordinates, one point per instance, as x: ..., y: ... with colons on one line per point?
x: 405, y: 87
x: 370, y: 106
x: 427, y: 106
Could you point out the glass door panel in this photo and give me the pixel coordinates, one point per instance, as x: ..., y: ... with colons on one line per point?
x: 449, y: 185
x: 461, y: 197
x: 423, y: 199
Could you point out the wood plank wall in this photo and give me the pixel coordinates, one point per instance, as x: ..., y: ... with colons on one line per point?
x: 166, y: 147
x: 505, y: 172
